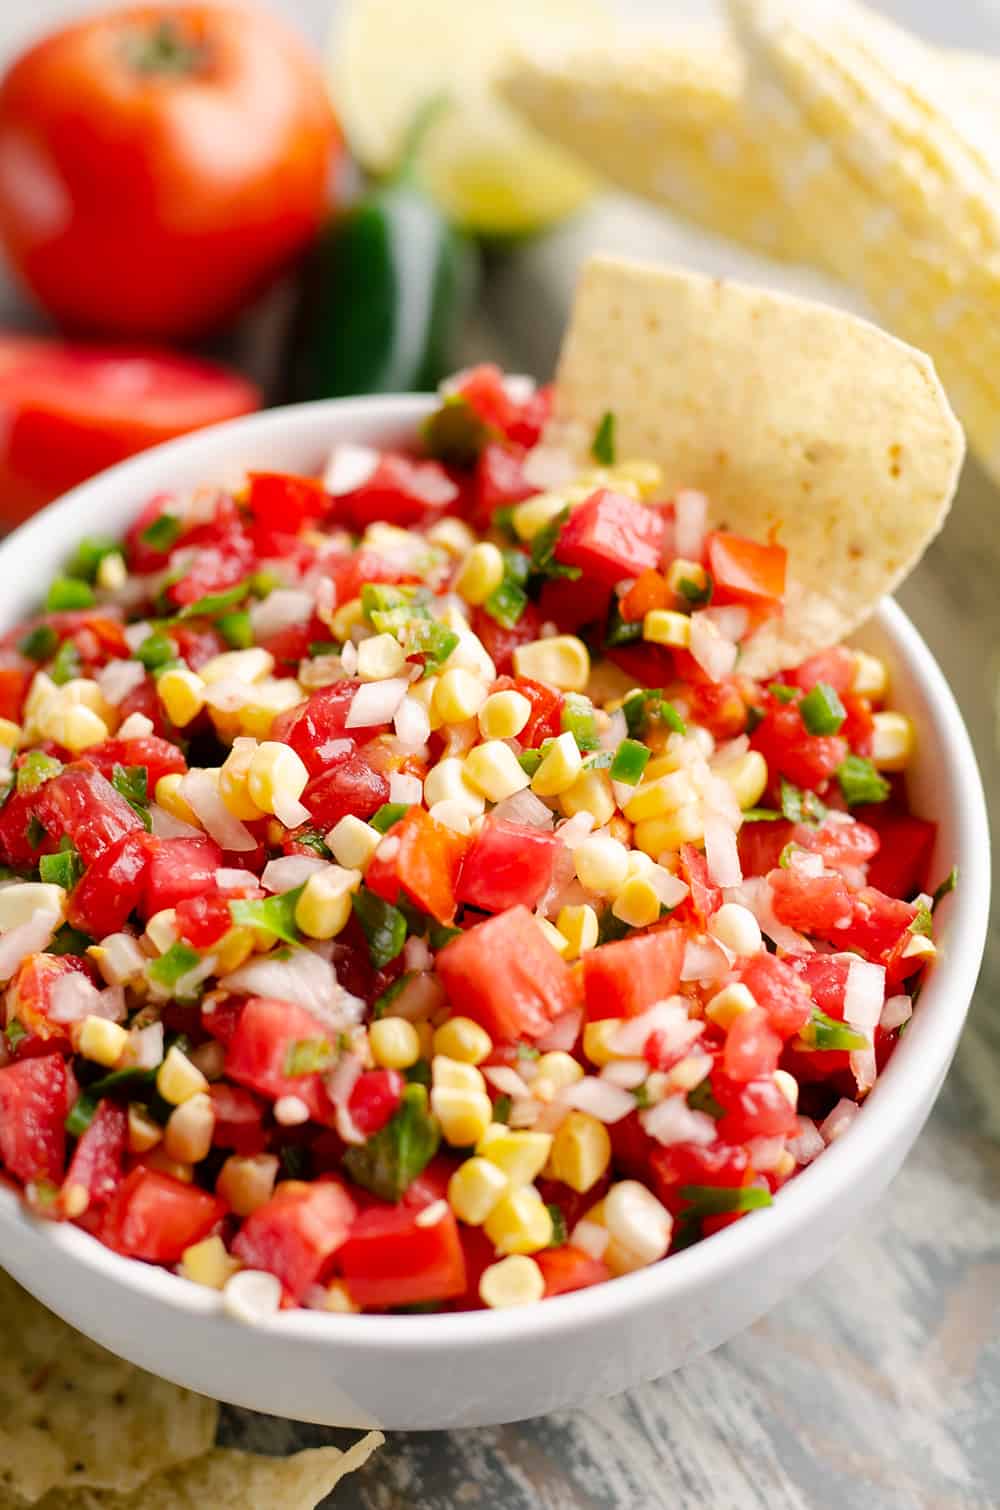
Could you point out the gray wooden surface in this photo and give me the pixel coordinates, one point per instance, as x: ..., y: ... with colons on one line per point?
x: 878, y: 1387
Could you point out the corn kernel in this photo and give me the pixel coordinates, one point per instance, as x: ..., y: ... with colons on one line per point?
x: 277, y: 776
x: 75, y: 726
x: 559, y: 768
x: 102, y: 1041
x: 247, y: 1183
x: 456, y: 1074
x: 233, y: 949
x: 637, y: 904
x: 10, y: 733
x: 234, y: 781
x: 513, y: 1281
x: 521, y: 1155
x: 581, y: 1151
x: 736, y: 928
x: 112, y: 573
x: 558, y: 1069
x: 785, y: 1165
x: 655, y: 799
x: 640, y: 1227
x: 177, y: 1079
x: 492, y: 769
x: 471, y: 655
x: 422, y: 692
x: 266, y: 700
x: 686, y: 571
x: 352, y: 842
x: 533, y: 514
x: 338, y: 1299
x: 464, y: 1115
x: 143, y: 1132
x: 81, y: 691
x: 458, y: 696
x: 324, y: 908
x: 729, y: 1003
x: 789, y: 1087
x: 451, y: 535
x: 662, y: 626
x: 425, y: 1035
x: 504, y: 714
x: 480, y: 573
x: 871, y: 676
x: 579, y: 927
x: 892, y: 741
x: 207, y: 1263
x: 462, y: 1039
x: 119, y: 959
x: 394, y: 1043
x: 447, y: 782
x: 601, y: 864
x: 551, y: 934
x: 238, y: 665
x: 746, y: 777
x: 474, y: 1189
x: 659, y: 836
x: 563, y: 661
x: 182, y: 693
x: 23, y: 899
x: 520, y: 1222
x: 159, y: 1161
x: 188, y: 1133
x: 136, y: 726
x: 167, y: 796
x: 345, y: 618
x: 161, y: 930
x: 380, y: 657
x: 42, y: 689
x: 598, y: 1040
x: 590, y: 793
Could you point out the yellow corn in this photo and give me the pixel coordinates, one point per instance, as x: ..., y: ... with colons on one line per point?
x: 177, y: 1079
x: 640, y: 1227
x: 161, y: 930
x: 746, y: 776
x: 143, y: 1132
x: 380, y: 657
x: 102, y: 1041
x: 729, y: 1003
x: 324, y: 908
x: 480, y: 573
x: 208, y: 1263
x: 892, y: 741
x: 563, y: 661
x: 601, y: 864
x: 462, y: 1039
x: 555, y: 1070
x: 682, y: 571
x: 521, y: 1155
x: 492, y: 769
x: 656, y: 798
x: 788, y: 1085
x: 447, y: 782
x: 23, y: 899
x: 234, y: 781
x: 344, y: 618
x: 458, y: 696
x: 159, y: 1161
x: 266, y: 700
x: 10, y: 733
x: 659, y: 836
x: 464, y: 1115
x: 247, y: 1183
x: 474, y: 1189
x: 871, y: 676
x: 597, y: 1040
x: 74, y: 725
x: 637, y: 904
x: 233, y: 949
x: 394, y: 1043
x: 551, y: 933
x: 590, y: 793
x: 238, y: 665
x: 581, y: 1151
x: 451, y: 535
x: 531, y: 516
x: 112, y: 572
x: 188, y: 1133
x: 504, y: 714
x: 520, y: 1222
x: 352, y: 842
x: 169, y: 798
x: 456, y: 1074
x: 662, y: 626
x: 514, y: 1281
x: 182, y: 693
x: 276, y: 775
x: 559, y: 767
x: 579, y: 927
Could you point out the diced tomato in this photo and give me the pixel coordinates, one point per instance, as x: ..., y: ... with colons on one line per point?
x: 545, y: 719
x: 317, y: 731
x: 826, y: 977
x: 804, y: 759
x: 15, y: 679
x: 29, y: 996
x: 648, y: 591
x: 400, y: 491
x: 623, y: 979
x: 757, y: 1109
x: 611, y: 536
x: 573, y: 1204
x: 570, y: 609
x: 155, y: 1217
x: 259, y: 1050
x: 843, y: 845
x: 858, y: 727
x: 836, y: 666
x: 484, y: 391
x: 744, y: 571
x: 215, y: 569
x: 879, y: 929
x: 760, y: 845
x: 777, y: 987
x: 901, y: 865
x: 648, y: 665
x: 812, y: 904
x: 82, y: 803
x: 499, y: 481
x: 717, y: 1164
x: 16, y: 832
x: 532, y: 417
x: 294, y: 1234
x: 720, y: 707
x: 196, y: 643
x: 348, y: 786
x: 202, y: 920
x: 143, y: 699
x: 631, y: 1146
x: 427, y: 863
x: 180, y: 868
x: 390, y: 1259
x: 280, y: 501
x: 706, y: 897
x: 98, y: 1161
x: 507, y: 977
x: 499, y: 641
x: 239, y: 1119
x: 375, y: 1099
x: 159, y: 756
x: 568, y: 1268
x: 751, y: 1048
x: 509, y: 864
x: 34, y: 1104
x: 112, y: 886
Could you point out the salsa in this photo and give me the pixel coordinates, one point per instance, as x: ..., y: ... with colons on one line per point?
x: 408, y: 903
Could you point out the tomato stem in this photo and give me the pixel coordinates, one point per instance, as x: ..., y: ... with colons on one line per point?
x: 166, y: 48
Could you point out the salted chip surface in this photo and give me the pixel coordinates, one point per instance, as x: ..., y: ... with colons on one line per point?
x: 73, y: 1414
x: 226, y: 1479
x: 795, y: 419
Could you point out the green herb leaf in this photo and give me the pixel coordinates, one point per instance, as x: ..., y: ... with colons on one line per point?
x: 39, y: 643
x: 578, y: 720
x: 306, y: 1056
x: 156, y: 650
x: 173, y: 966
x: 389, y: 1162
x: 630, y: 761
x: 761, y: 815
x: 67, y: 664
x: 14, y: 1032
x: 383, y: 924
x: 559, y: 1233
x: 821, y: 709
x: 388, y: 814
x: 610, y: 929
x: 455, y: 433
x: 782, y: 692
x: 69, y: 941
x: 88, y: 556
x: 64, y: 868
x: 755, y: 717
x: 309, y: 838
x: 133, y: 783
x: 440, y: 935
x: 860, y: 781
x: 34, y: 831
x: 432, y: 640
x: 800, y: 806
x: 214, y: 604
x: 823, y: 1032
x: 702, y: 1099
x: 236, y: 629
x: 324, y: 647
x: 923, y: 923
x: 602, y: 448
x: 36, y: 770
x: 621, y: 631
x: 501, y: 1108
x: 507, y: 602
x: 81, y: 1114
x: 67, y: 593
x: 382, y: 1003
x: 947, y: 885
x: 274, y: 914
x: 543, y: 548
x: 695, y: 594
x: 717, y: 1200
x: 162, y: 533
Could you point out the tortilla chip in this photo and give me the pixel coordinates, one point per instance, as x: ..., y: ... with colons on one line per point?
x: 73, y: 1414
x: 226, y: 1479
x: 793, y: 417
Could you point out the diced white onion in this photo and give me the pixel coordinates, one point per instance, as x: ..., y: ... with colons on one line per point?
x: 864, y: 1069
x: 134, y: 634
x: 73, y: 998
x: 731, y: 620
x: 290, y: 811
x: 721, y: 852
x: 716, y: 656
x: 765, y: 1153
x: 186, y: 985
x: 611, y: 737
x: 112, y: 1004
x: 202, y: 795
x: 730, y: 750
x: 628, y: 1073
x: 287, y: 872
x: 755, y: 894
x: 691, y: 522
x: 340, y: 1082
x: 808, y: 1141
x: 118, y: 678
x: 417, y: 954
x: 548, y: 467
x: 518, y: 387
x: 864, y: 994
x: 405, y: 788
x: 412, y: 724
x: 306, y: 980
x: 27, y: 938
x: 349, y: 467
x: 166, y: 826
x: 590, y: 1238
x: 670, y: 890
x: 136, y: 726
x: 668, y: 1017
x: 228, y: 695
x: 281, y: 609
x: 562, y: 1034
x: 376, y: 703
x: 897, y: 1010
x: 506, y: 1079
x: 839, y: 1120
x: 251, y: 1296
x: 524, y: 807
x: 348, y: 661
x: 673, y: 1121
x: 805, y: 862
x: 452, y: 814
x: 232, y: 878
x: 420, y: 998
x: 147, y: 1046
x: 608, y: 1103
x: 576, y: 829
x: 704, y: 959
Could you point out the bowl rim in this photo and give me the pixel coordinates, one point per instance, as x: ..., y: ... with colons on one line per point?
x: 902, y: 1087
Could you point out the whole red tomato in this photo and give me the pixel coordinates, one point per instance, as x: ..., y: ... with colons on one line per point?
x: 160, y: 164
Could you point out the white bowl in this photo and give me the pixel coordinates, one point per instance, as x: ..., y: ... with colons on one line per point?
x: 481, y: 1368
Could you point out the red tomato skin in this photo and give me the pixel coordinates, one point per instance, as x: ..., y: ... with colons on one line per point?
x: 428, y: 862
x: 777, y: 987
x: 503, y: 974
x: 836, y: 666
x: 204, y: 919
x: 98, y: 1162
x: 179, y: 869
x: 80, y: 802
x: 15, y: 819
x: 570, y: 609
x: 611, y: 536
x: 567, y: 1268
x: 843, y: 846
x: 112, y: 886
x: 744, y: 571
x: 499, y: 481
x: 29, y: 996
x: 388, y: 1260
x: 282, y: 501
x: 317, y: 731
x: 239, y: 1119
x: 718, y: 1164
x: 375, y: 1099
x: 14, y: 683
x: 155, y: 1217
x: 756, y: 1109
x: 879, y: 930
x: 545, y: 719
x: 901, y: 865
x: 258, y: 1050
x: 623, y: 979
x: 159, y: 756
x: 508, y: 865
x: 34, y: 1104
x: 295, y: 1233
x: 706, y: 897
x: 751, y: 1049
x: 631, y: 1146
x: 813, y: 904
x: 400, y: 491
x: 349, y: 786
x: 804, y: 759
x: 499, y: 641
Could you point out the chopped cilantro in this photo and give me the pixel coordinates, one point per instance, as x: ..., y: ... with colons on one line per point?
x: 621, y: 631
x: 755, y: 717
x: 610, y: 929
x: 67, y: 593
x: 559, y: 1233
x: 440, y: 935
x: 384, y: 926
x: 543, y: 547
x: 14, y: 1032
x: 947, y: 885
x: 274, y: 914
x: 133, y: 783
x: 391, y: 1159
x: 69, y: 941
x: 602, y: 447
x: 501, y: 1108
x: 382, y: 1003
x: 39, y: 643
x: 34, y: 832
x: 702, y: 1099
x: 821, y: 709
x: 717, y: 1200
x: 309, y: 838
x: 860, y: 782
x: 324, y: 647
x: 162, y: 533
x: 694, y: 594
